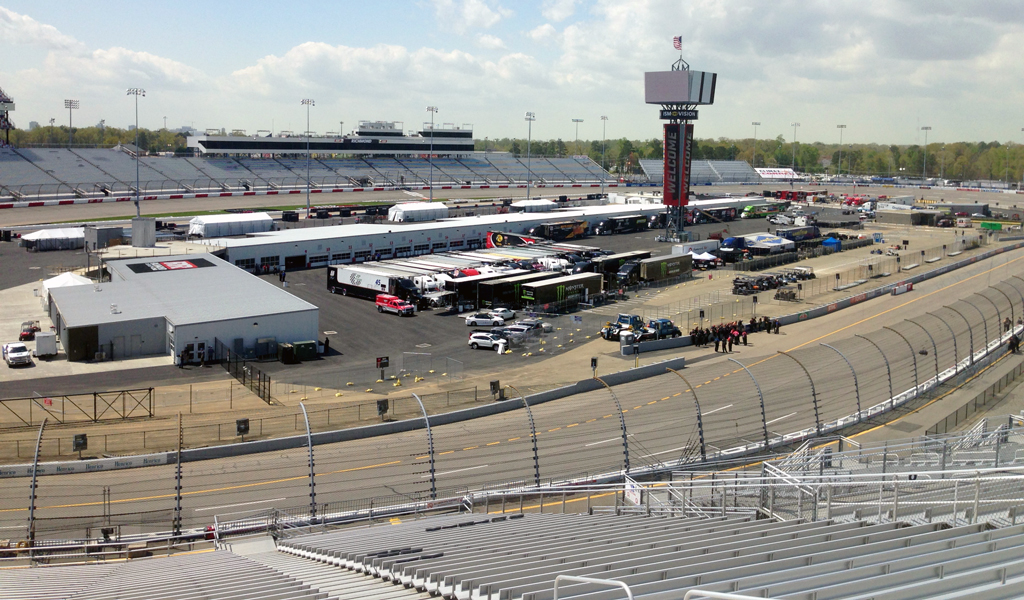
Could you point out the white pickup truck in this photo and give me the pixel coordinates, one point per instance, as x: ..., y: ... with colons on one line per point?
x: 16, y: 353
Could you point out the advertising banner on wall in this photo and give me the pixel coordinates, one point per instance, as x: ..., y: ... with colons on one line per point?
x: 678, y: 142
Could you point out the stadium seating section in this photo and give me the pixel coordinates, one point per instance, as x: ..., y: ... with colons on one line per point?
x: 703, y: 172
x: 94, y: 172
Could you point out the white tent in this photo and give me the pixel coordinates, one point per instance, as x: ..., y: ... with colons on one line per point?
x: 231, y: 224
x: 703, y: 256
x: 63, y: 280
x: 67, y: 238
x: 418, y: 211
x: 533, y: 206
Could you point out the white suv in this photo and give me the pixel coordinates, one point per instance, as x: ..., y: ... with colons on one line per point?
x: 484, y: 340
x: 16, y: 353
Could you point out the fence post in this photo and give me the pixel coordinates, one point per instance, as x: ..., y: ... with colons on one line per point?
x: 970, y: 332
x: 984, y: 323
x: 856, y: 383
x: 700, y: 420
x: 32, y: 492
x: 430, y: 448
x: 917, y: 385
x: 533, y: 436
x: 312, y: 475
x: 814, y: 395
x: 177, y: 484
x: 888, y: 370
x: 956, y: 354
x: 935, y: 349
x: 760, y: 396
x: 622, y: 422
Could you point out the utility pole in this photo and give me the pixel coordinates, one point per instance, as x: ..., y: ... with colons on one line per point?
x: 755, y: 124
x: 924, y: 168
x: 70, y: 105
x: 795, y: 125
x: 530, y: 118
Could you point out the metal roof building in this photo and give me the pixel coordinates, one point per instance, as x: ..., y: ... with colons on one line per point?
x: 177, y: 304
x: 320, y: 246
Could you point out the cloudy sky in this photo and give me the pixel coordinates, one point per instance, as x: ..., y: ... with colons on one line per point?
x: 884, y: 68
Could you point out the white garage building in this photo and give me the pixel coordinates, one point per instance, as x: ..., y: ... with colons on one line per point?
x: 320, y: 246
x: 176, y: 304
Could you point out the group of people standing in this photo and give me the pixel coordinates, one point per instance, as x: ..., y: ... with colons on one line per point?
x: 727, y: 335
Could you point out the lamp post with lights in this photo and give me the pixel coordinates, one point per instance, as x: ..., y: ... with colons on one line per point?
x: 432, y: 110
x: 530, y: 118
x: 137, y: 92
x: 70, y: 105
x: 307, y: 102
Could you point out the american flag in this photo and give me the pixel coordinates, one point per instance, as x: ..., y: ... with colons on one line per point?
x: 677, y: 42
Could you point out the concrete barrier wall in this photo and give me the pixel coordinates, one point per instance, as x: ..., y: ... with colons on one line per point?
x: 343, y: 435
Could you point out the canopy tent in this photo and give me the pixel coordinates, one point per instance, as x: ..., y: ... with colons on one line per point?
x: 63, y: 280
x: 769, y: 241
x: 533, y: 206
x: 68, y: 238
x: 703, y: 256
x: 418, y: 211
x: 231, y: 224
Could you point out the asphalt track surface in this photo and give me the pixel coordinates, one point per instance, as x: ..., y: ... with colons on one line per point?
x: 579, y: 435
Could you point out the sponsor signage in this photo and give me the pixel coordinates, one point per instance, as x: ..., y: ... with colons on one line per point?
x: 86, y: 466
x: 171, y: 265
x: 678, y: 141
x: 680, y: 114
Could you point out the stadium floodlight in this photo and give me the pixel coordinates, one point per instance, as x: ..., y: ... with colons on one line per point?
x: 604, y: 124
x: 530, y: 118
x: 839, y: 171
x: 137, y: 92
x: 755, y: 124
x: 795, y: 125
x: 577, y: 122
x: 924, y: 167
x: 307, y: 103
x: 70, y: 105
x: 432, y: 110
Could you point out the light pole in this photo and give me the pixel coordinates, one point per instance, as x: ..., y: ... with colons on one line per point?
x: 165, y: 123
x: 70, y: 105
x: 942, y: 169
x: 795, y: 125
x: 755, y: 124
x: 577, y: 142
x: 840, y: 170
x: 432, y: 110
x: 604, y: 124
x: 530, y: 118
x: 137, y: 92
x: 924, y: 168
x: 307, y: 102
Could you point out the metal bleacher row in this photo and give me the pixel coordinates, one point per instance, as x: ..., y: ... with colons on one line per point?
x: 660, y: 558
x: 85, y: 172
x: 208, y: 574
x: 707, y: 171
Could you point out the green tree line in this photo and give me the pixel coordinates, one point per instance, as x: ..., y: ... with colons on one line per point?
x: 160, y: 140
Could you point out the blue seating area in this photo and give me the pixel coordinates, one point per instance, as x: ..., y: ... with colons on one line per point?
x: 706, y: 171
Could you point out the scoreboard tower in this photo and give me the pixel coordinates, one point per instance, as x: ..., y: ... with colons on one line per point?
x: 678, y: 92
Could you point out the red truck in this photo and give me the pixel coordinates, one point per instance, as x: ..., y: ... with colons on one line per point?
x: 394, y: 304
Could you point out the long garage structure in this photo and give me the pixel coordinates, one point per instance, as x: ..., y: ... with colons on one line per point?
x: 321, y: 246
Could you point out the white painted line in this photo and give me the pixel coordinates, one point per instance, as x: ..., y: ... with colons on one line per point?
x: 455, y: 471
x: 780, y: 418
x: 668, y: 451
x: 240, y: 504
x: 606, y: 441
x: 716, y: 410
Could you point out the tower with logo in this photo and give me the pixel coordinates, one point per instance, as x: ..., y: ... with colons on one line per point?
x: 678, y: 92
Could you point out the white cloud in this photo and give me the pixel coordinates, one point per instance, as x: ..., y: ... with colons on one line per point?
x: 558, y: 10
x: 490, y: 42
x: 543, y: 33
x: 22, y: 29
x: 467, y: 15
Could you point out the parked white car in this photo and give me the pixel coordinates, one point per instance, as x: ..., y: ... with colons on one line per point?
x: 484, y: 340
x: 16, y: 353
x: 484, y: 319
x: 506, y: 314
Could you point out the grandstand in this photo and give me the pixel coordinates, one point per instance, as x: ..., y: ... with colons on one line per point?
x: 703, y: 172
x: 59, y: 173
